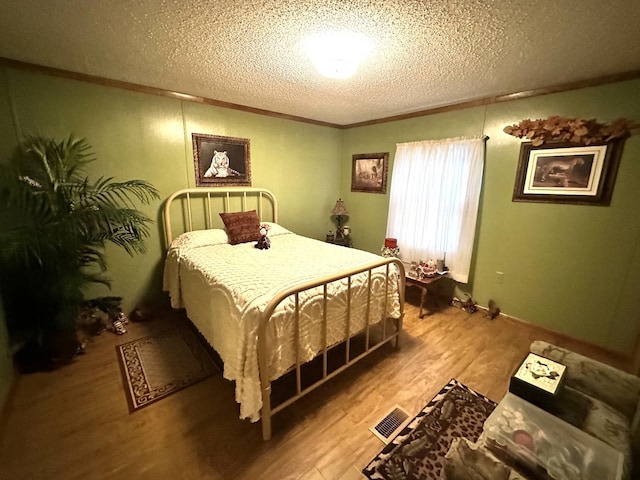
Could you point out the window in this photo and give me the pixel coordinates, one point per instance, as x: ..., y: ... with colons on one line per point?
x: 433, y: 206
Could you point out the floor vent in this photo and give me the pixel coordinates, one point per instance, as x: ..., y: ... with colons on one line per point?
x: 391, y: 424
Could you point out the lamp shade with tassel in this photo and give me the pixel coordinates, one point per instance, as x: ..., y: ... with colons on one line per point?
x: 339, y: 208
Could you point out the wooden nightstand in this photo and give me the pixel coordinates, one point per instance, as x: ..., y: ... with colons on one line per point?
x: 345, y: 241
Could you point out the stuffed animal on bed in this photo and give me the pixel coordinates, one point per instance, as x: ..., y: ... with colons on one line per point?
x: 263, y: 241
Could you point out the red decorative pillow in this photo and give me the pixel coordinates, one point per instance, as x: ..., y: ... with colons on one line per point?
x: 242, y: 226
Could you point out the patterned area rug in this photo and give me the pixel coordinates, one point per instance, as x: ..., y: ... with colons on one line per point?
x: 419, y: 449
x: 156, y: 366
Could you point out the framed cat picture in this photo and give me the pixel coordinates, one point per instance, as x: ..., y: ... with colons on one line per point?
x: 221, y: 161
x: 567, y: 173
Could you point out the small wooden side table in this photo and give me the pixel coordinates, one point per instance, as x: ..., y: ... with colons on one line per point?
x: 422, y: 284
x: 344, y: 240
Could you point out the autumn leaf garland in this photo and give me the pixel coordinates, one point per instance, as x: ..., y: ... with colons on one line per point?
x: 572, y: 130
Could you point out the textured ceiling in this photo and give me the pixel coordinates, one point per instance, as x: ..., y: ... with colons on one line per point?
x: 426, y: 53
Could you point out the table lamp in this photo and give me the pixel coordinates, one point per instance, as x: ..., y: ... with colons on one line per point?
x: 339, y: 210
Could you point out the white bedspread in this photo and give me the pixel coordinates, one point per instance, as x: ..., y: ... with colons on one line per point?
x: 225, y: 288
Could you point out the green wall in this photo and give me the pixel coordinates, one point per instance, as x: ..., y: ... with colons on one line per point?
x: 571, y: 268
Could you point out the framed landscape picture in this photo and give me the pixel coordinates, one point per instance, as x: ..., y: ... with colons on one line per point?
x: 221, y: 161
x: 567, y: 173
x: 369, y: 172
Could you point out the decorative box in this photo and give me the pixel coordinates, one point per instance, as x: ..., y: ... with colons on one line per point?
x: 546, y: 447
x: 538, y: 380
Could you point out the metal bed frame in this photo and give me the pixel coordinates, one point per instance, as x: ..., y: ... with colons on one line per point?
x: 245, y: 195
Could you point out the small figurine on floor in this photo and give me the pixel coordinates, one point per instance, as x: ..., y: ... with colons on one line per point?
x: 493, y: 310
x: 263, y: 242
x: 119, y: 322
x: 111, y: 307
x: 118, y: 327
x: 97, y: 312
x: 469, y: 305
x: 141, y: 313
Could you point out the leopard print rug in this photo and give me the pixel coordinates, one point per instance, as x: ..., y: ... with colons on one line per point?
x: 419, y: 449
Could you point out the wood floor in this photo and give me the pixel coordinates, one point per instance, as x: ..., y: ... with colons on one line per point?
x: 74, y: 423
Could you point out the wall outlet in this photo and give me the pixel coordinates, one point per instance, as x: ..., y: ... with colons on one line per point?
x: 499, y: 277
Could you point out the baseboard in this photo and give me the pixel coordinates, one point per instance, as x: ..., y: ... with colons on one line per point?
x: 622, y: 358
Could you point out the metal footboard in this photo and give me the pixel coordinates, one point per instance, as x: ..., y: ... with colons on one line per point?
x: 295, y: 291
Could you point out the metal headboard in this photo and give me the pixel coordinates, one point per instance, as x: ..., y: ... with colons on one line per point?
x: 189, y: 195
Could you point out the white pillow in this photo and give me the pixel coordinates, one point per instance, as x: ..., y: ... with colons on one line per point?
x: 201, y: 238
x: 275, y: 229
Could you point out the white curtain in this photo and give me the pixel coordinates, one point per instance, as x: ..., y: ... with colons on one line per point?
x: 433, y: 206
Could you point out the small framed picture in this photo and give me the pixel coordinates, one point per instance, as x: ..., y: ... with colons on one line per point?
x: 567, y: 173
x: 369, y: 172
x: 221, y: 161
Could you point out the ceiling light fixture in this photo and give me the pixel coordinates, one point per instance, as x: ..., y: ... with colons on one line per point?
x: 337, y: 54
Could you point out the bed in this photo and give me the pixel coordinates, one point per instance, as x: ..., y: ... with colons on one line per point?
x: 270, y: 312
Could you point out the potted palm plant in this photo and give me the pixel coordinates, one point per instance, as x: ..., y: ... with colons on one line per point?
x: 55, y: 224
